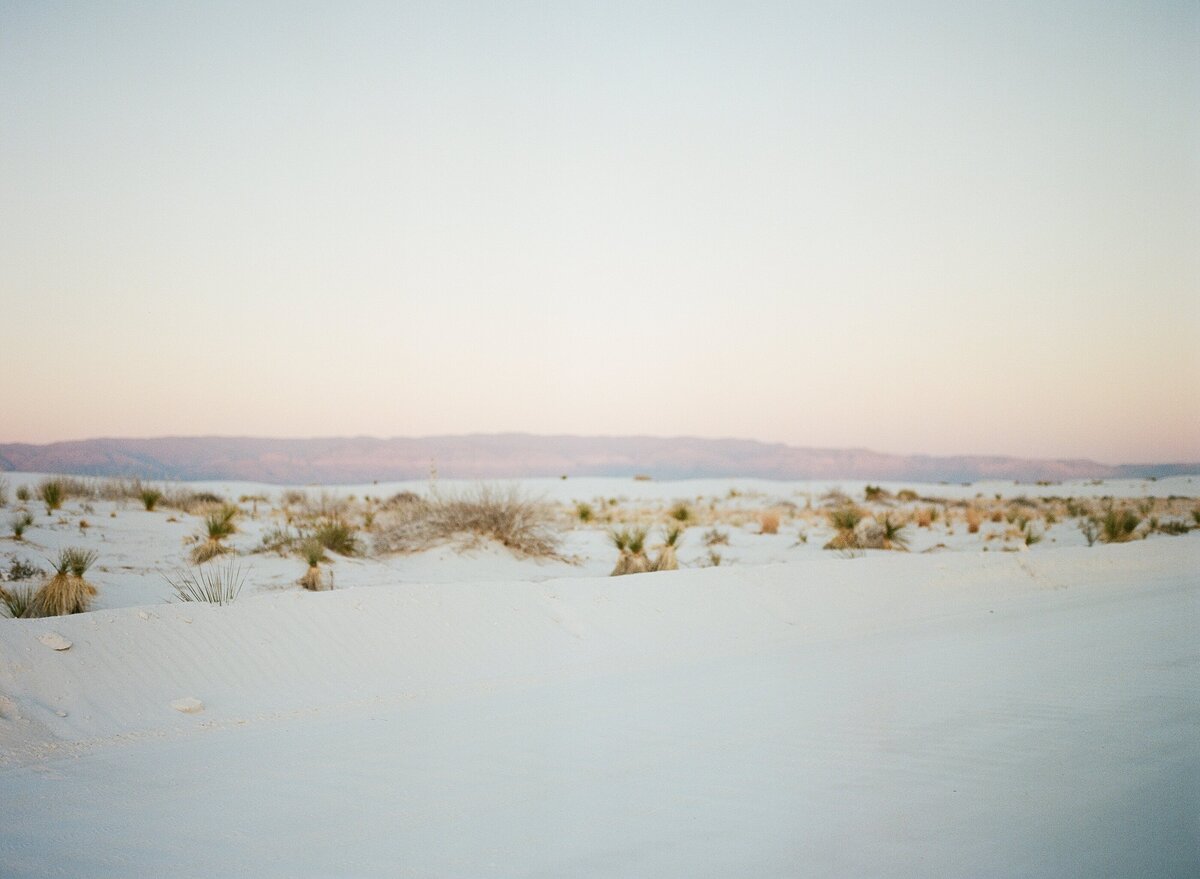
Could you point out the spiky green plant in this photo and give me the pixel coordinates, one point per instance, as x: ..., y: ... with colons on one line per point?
x: 681, y: 512
x: 219, y: 524
x: 584, y: 511
x: 1119, y: 525
x: 150, y: 498
x: 1031, y: 536
x: 52, y: 492
x: 76, y: 561
x: 19, y: 523
x: 22, y: 493
x: 215, y: 584
x: 17, y: 601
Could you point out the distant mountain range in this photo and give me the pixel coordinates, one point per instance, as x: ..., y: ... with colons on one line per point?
x: 500, y: 456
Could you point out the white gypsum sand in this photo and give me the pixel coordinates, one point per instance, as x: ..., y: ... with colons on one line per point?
x: 1027, y: 713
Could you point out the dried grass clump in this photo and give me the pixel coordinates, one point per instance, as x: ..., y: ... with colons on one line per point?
x: 923, y: 517
x: 974, y: 518
x: 523, y: 525
x: 631, y: 544
x: 715, y: 536
x: 213, y: 584
x: 67, y: 591
x: 3, y: 492
x: 768, y: 522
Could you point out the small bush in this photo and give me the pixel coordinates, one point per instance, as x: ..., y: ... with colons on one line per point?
x: 1173, y: 527
x: 1119, y: 525
x: 667, y: 559
x: 681, y: 512
x: 313, y: 552
x: 893, y: 534
x: 907, y: 495
x: 213, y: 584
x: 631, y: 544
x: 846, y: 518
x: 22, y: 493
x: 219, y: 523
x: 150, y: 498
x: 584, y: 512
x: 768, y: 522
x: 19, y: 523
x: 715, y: 537
x: 337, y: 535
x: 973, y: 520
x: 52, y: 493
x: 20, y: 569
x: 875, y: 493
x: 3, y: 492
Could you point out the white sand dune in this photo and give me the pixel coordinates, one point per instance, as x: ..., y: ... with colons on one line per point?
x: 946, y: 715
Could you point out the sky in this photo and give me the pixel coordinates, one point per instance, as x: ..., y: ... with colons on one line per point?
x: 937, y: 228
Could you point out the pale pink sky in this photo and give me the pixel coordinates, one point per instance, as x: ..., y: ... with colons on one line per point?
x: 910, y: 227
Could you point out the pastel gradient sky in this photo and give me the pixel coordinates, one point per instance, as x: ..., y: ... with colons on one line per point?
x: 915, y: 227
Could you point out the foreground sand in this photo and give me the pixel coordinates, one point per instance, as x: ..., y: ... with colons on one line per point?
x: 950, y: 715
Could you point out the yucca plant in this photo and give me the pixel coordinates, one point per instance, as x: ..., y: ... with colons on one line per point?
x: 1119, y: 525
x: 584, y: 511
x: 19, y: 523
x: 893, y: 534
x: 666, y: 559
x: 844, y: 520
x: 17, y: 601
x: 150, y: 498
x: 631, y: 543
x: 214, y: 584
x: 218, y: 525
x: 313, y: 552
x: 681, y: 512
x: 66, y: 592
x: 1031, y: 536
x: 52, y: 492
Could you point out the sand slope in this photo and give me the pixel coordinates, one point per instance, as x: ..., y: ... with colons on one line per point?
x: 956, y: 714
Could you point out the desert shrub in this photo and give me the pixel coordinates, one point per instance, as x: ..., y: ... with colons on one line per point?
x: 3, y: 492
x: 150, y: 498
x: 313, y: 552
x: 768, y: 522
x: 218, y: 525
x: 923, y: 517
x: 1031, y: 536
x: 667, y: 559
x: 279, y: 539
x: 584, y: 511
x: 845, y: 518
x: 893, y: 534
x: 20, y: 569
x: 22, y: 493
x: 631, y: 546
x: 680, y: 512
x: 524, y: 525
x: 906, y: 495
x: 1173, y: 527
x: 715, y: 536
x: 215, y: 584
x: 714, y: 559
x: 973, y: 520
x: 19, y: 523
x: 1118, y: 525
x: 1196, y: 515
x: 17, y: 601
x: 875, y: 493
x: 66, y: 592
x: 52, y: 493
x: 337, y: 535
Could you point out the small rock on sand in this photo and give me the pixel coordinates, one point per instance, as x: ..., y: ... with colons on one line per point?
x: 55, y: 641
x: 188, y: 705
